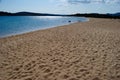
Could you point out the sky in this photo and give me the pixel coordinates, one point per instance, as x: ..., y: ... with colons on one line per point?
x: 61, y: 6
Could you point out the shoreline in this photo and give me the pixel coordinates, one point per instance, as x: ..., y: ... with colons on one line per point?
x: 79, y: 51
x: 27, y: 32
x: 14, y: 31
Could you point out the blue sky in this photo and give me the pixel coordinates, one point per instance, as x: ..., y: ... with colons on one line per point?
x: 61, y: 6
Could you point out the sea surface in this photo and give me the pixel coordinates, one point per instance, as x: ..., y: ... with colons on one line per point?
x: 13, y: 25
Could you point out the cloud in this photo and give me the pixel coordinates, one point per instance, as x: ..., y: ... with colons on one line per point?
x: 89, y: 1
x: 63, y: 0
x: 93, y: 1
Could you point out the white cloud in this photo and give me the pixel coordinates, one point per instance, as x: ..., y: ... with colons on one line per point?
x: 63, y: 0
x: 89, y: 1
x: 59, y: 0
x: 112, y: 1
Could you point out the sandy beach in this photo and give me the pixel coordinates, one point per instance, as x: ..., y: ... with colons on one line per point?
x: 80, y: 51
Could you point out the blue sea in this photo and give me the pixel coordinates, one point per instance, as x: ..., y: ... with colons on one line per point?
x: 13, y: 25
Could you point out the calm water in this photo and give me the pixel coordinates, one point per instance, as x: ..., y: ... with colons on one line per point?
x: 12, y: 25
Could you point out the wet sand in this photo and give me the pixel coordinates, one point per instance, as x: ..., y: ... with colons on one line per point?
x: 79, y: 51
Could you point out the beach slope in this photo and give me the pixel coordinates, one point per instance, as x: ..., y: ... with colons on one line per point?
x: 80, y: 51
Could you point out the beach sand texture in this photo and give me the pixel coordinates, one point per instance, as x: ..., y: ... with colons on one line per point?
x: 79, y: 51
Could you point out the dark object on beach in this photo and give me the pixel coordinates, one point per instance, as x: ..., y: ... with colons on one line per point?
x: 69, y: 21
x: 79, y: 21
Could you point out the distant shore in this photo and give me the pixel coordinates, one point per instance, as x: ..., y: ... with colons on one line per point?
x: 80, y: 51
x: 92, y: 15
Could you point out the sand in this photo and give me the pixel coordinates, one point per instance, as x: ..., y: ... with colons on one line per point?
x: 79, y: 51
